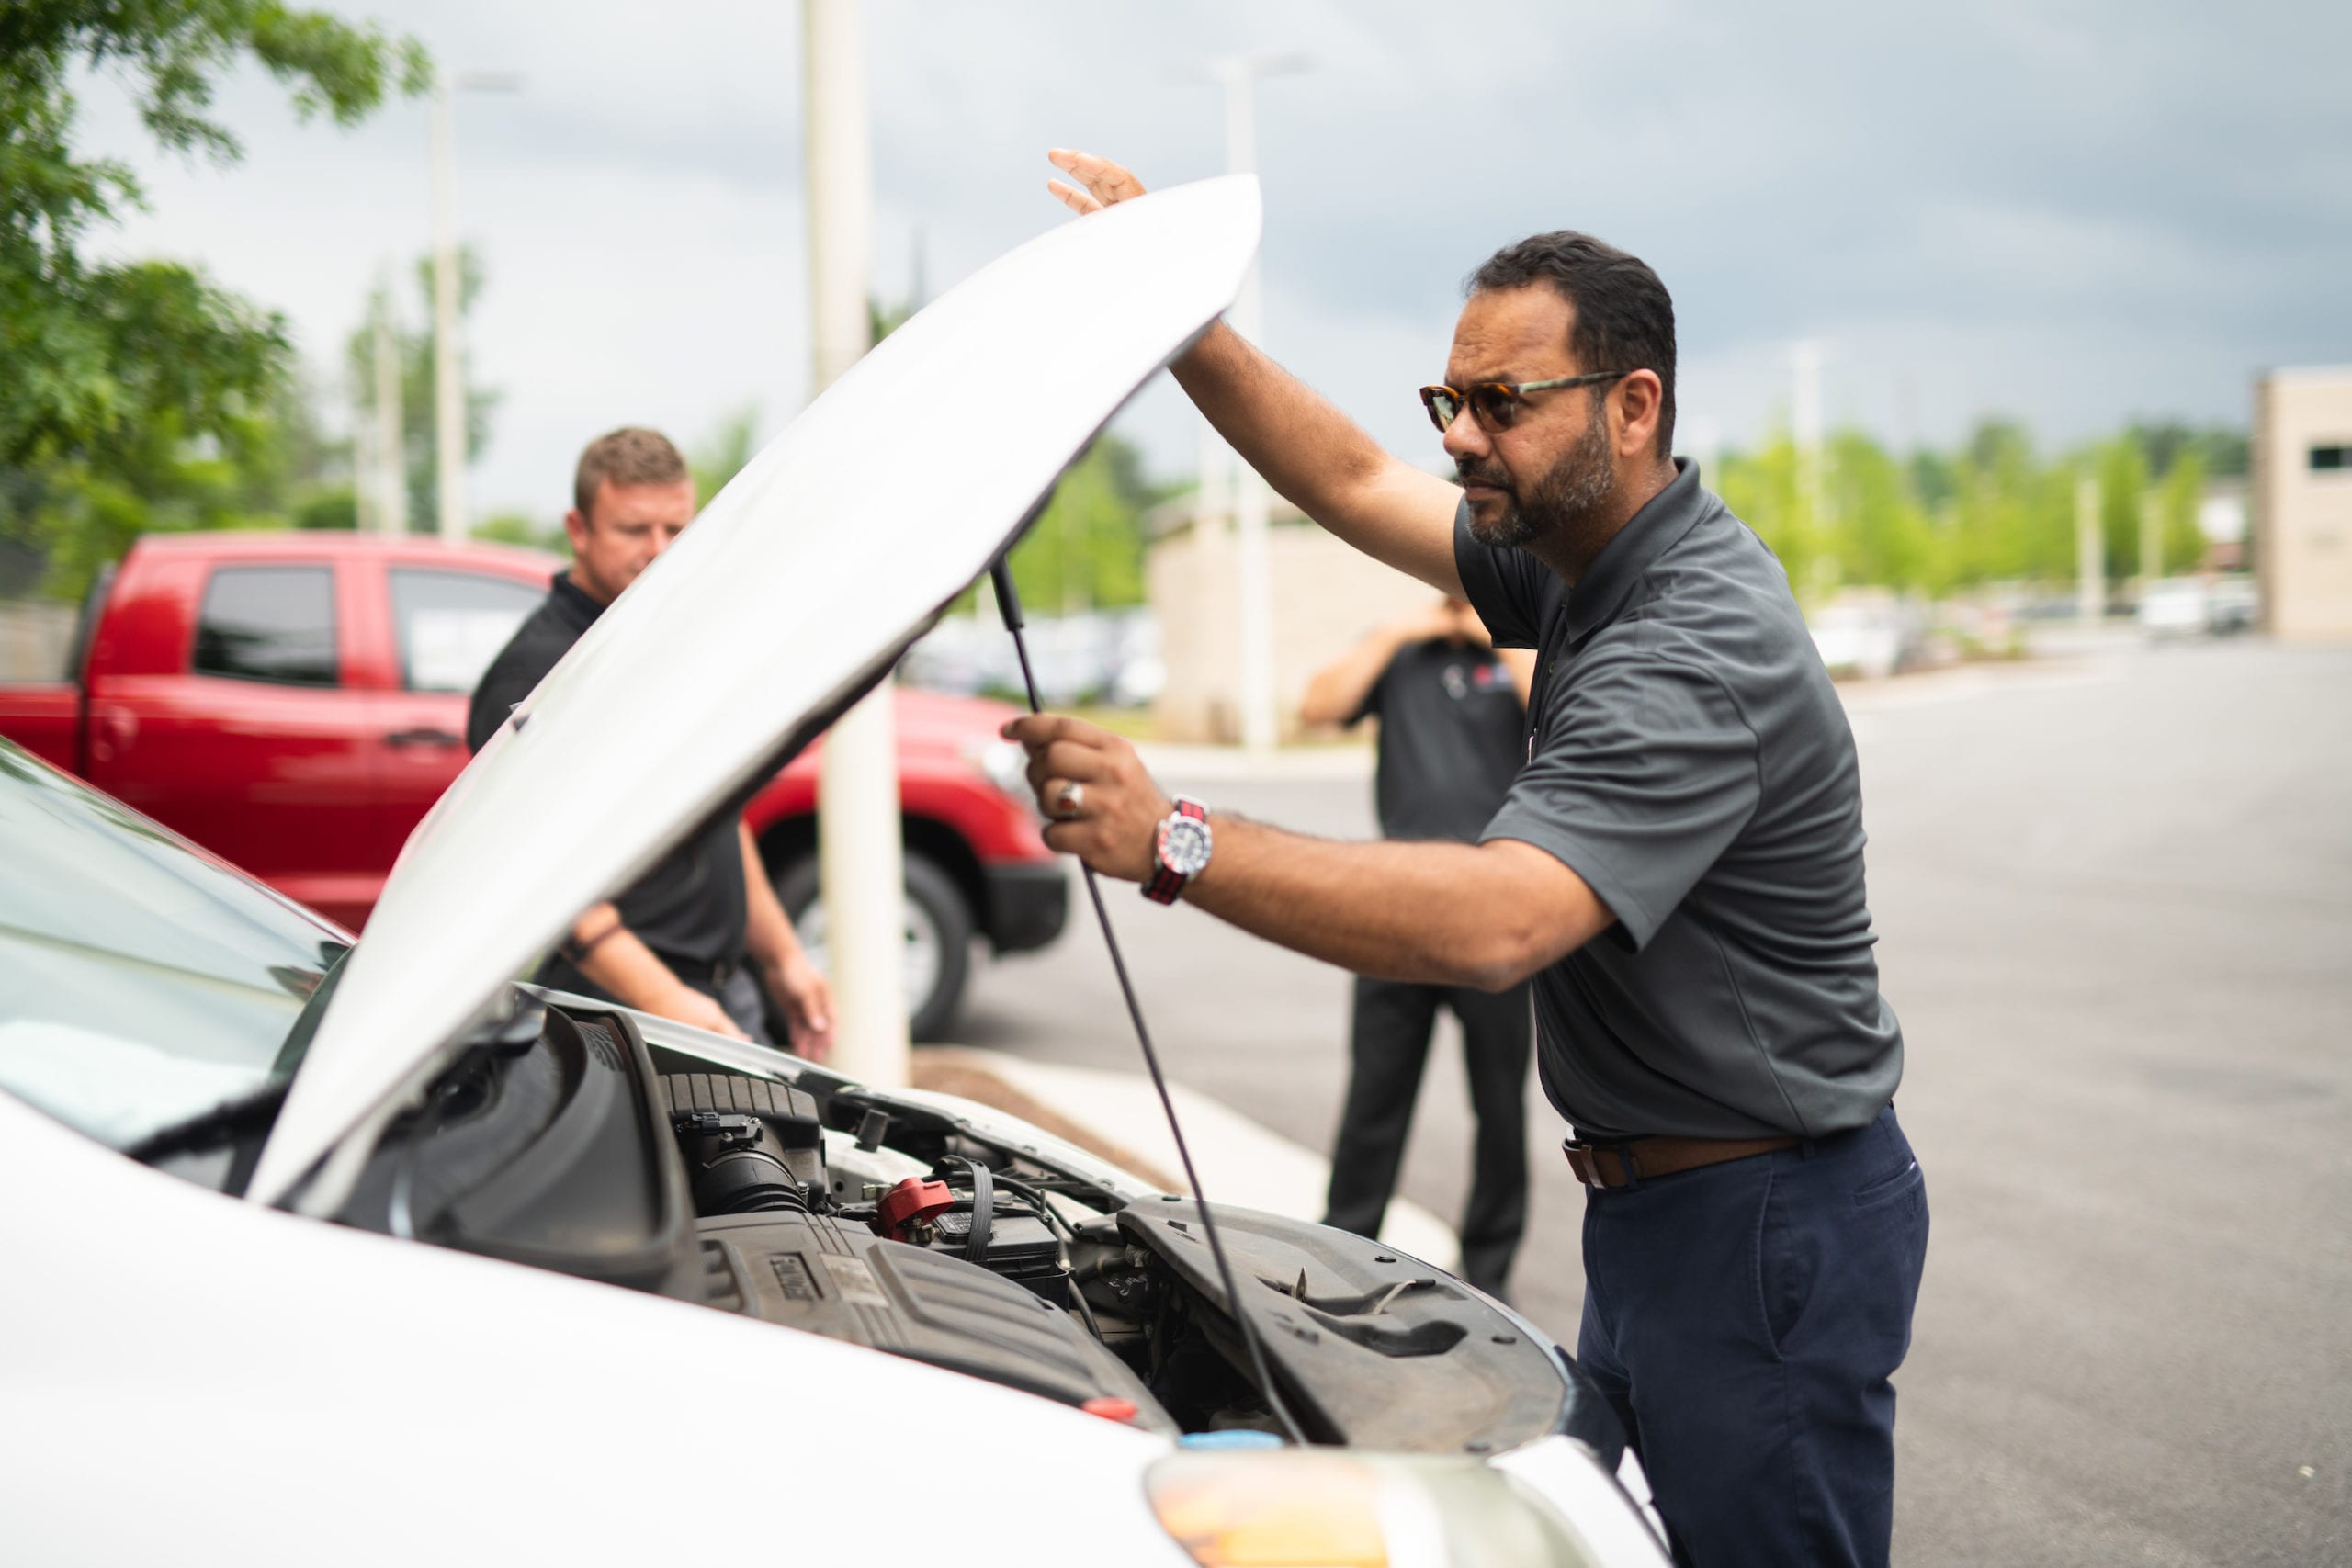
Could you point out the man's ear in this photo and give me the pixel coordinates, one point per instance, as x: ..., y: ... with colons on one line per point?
x: 575, y: 528
x: 1639, y: 398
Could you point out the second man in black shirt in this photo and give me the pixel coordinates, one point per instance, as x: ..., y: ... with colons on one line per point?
x: 1452, y: 716
x: 701, y: 936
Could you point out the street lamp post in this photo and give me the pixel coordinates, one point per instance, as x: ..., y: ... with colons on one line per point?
x: 389, y: 477
x: 2090, y: 577
x: 1259, y: 725
x: 449, y: 391
x: 860, y: 865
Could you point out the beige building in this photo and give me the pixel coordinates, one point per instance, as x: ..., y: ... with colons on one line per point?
x: 1325, y: 596
x: 2302, y: 502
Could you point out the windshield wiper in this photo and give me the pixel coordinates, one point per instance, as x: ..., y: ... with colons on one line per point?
x: 251, y: 1111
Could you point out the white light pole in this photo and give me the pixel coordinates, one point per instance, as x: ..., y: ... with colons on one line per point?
x: 1806, y: 426
x: 1259, y: 723
x: 1704, y: 444
x: 449, y: 391
x: 389, y: 478
x: 2090, y: 574
x: 860, y: 865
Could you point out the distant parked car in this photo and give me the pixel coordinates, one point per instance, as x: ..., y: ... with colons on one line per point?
x: 2232, y: 604
x: 1872, y: 636
x: 2198, y: 606
x: 2175, y: 607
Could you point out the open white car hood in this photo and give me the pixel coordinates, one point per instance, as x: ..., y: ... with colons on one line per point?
x: 795, y: 590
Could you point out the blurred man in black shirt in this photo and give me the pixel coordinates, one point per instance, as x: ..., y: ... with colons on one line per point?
x: 701, y: 935
x: 1452, y: 714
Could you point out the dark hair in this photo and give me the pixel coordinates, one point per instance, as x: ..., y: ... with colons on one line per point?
x: 628, y: 455
x: 1624, y: 318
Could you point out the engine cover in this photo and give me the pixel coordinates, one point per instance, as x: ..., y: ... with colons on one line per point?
x: 843, y: 1282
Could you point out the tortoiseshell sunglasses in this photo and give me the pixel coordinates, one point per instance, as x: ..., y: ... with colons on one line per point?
x: 1493, y: 404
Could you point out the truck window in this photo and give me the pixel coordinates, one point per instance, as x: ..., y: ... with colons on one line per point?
x: 268, y: 623
x: 452, y: 623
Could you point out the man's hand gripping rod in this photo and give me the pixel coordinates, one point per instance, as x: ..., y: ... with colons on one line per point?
x: 1008, y: 604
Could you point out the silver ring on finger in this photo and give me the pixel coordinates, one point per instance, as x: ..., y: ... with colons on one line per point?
x: 1069, y: 800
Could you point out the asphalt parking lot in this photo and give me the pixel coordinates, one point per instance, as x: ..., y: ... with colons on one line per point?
x: 2114, y: 898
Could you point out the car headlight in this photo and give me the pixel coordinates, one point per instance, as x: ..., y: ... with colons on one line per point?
x: 1293, y: 1507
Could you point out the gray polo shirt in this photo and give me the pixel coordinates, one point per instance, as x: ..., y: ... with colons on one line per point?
x: 1688, y: 758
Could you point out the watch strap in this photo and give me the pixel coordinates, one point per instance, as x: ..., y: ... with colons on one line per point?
x: 1166, y: 883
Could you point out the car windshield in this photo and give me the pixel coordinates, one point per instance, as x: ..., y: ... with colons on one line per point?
x: 141, y: 983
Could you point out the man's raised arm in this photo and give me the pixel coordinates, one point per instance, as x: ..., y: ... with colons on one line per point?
x: 1312, y: 454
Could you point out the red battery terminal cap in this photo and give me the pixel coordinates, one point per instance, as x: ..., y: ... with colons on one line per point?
x: 911, y: 1202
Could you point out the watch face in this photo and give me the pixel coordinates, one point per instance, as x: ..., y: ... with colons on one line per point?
x: 1184, y: 845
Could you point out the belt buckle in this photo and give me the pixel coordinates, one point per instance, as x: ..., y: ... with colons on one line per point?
x: 1585, y: 1165
x: 1584, y: 1162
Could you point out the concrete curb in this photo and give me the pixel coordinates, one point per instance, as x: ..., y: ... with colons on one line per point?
x: 1118, y: 1116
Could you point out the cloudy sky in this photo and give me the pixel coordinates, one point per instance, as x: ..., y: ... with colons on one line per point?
x: 2073, y: 213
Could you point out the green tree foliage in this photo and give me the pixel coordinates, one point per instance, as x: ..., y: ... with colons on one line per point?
x: 1875, y: 531
x: 97, y: 348
x: 1993, y: 510
x: 2179, y: 499
x: 2122, y: 474
x: 2220, y: 450
x: 267, y: 467
x: 139, y: 394
x: 1764, y: 488
x: 516, y: 528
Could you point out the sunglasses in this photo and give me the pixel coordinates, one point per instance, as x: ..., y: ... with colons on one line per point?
x: 1493, y: 404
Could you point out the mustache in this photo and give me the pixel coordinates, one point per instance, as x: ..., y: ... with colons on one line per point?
x: 1476, y: 473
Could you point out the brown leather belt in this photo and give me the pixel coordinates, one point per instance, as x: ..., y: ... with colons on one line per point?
x: 1639, y: 1159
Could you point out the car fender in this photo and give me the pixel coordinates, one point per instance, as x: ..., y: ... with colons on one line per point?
x: 313, y: 1392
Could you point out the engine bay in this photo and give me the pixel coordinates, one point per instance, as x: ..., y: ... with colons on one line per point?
x: 753, y: 1183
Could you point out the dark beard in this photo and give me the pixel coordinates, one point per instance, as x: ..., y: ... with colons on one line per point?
x: 1562, y: 502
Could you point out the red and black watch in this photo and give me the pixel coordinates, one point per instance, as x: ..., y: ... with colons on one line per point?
x: 1181, y: 850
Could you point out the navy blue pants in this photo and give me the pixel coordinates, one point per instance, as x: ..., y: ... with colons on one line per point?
x: 1744, y: 1319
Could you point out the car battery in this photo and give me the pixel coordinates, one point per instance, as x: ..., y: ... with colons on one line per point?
x: 1021, y: 1248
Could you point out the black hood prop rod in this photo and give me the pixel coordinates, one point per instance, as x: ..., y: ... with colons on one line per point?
x: 1008, y: 604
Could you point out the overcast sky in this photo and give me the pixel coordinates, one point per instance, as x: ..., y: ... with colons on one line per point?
x: 2070, y: 213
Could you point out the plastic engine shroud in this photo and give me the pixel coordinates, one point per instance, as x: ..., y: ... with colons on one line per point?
x: 844, y: 1282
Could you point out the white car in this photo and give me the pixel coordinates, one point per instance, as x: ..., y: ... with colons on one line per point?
x: 1870, y: 636
x: 2196, y: 606
x: 316, y: 1251
x: 2173, y: 607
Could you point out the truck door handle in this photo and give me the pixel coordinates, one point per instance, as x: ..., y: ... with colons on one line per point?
x: 424, y: 734
x: 114, y: 729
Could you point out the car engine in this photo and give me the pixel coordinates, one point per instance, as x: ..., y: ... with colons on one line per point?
x: 964, y: 1279
x: 569, y: 1140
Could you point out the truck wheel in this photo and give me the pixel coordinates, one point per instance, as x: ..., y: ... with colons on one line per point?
x: 940, y: 926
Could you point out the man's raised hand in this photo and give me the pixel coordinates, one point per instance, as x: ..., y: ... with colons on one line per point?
x: 1105, y: 183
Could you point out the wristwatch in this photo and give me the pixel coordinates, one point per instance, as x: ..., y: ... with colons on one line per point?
x: 1181, y: 849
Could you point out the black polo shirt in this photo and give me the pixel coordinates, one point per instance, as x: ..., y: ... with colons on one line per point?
x: 690, y: 906
x: 1450, y: 740
x: 1688, y: 758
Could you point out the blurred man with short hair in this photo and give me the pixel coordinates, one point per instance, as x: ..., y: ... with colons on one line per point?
x: 701, y: 936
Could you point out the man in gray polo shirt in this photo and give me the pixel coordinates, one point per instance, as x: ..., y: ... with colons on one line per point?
x: 1678, y: 866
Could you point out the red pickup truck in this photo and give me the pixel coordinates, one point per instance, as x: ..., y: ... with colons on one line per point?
x: 295, y: 702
